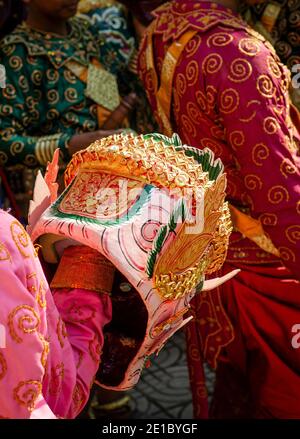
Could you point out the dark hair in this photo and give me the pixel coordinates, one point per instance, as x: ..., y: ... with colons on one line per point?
x: 12, y: 12
x: 142, y: 8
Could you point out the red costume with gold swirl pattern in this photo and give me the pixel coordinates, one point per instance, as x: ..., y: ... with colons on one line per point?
x: 219, y: 84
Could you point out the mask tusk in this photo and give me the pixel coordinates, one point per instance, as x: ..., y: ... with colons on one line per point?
x: 214, y: 283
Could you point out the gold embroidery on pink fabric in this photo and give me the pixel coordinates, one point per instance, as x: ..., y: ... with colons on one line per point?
x: 31, y: 283
x: 293, y: 233
x: 249, y: 46
x: 95, y: 349
x: 219, y: 39
x: 277, y: 194
x: 41, y: 295
x: 46, y: 350
x: 28, y: 321
x: 27, y: 392
x: 287, y: 254
x: 260, y: 152
x: 268, y: 219
x: 253, y: 182
x: 78, y: 396
x: 61, y: 332
x: 212, y: 63
x: 287, y: 168
x: 3, y: 366
x: 240, y: 70
x: 20, y: 238
x: 265, y: 86
x: 229, y: 101
x: 252, y: 113
x: 57, y: 377
x: 4, y: 253
x: 270, y: 125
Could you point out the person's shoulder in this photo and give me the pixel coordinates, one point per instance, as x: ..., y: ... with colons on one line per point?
x: 17, y: 43
x: 239, y: 42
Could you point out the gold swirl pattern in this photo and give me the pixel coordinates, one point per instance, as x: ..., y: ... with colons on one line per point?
x: 61, y: 332
x: 52, y: 114
x: 16, y: 148
x: 78, y: 396
x: 253, y: 182
x: 277, y: 194
x: 287, y: 168
x: 15, y: 62
x: 30, y: 160
x: 219, y: 39
x: 192, y: 73
x: 88, y: 125
x: 240, y: 70
x: 149, y: 83
x: 95, y: 349
x: 71, y: 95
x: 23, y: 83
x: 80, y: 314
x: 188, y: 126
x: 211, y: 95
x: 201, y: 100
x: 273, y: 67
x: 9, y: 49
x: 229, y: 101
x: 27, y: 392
x: 70, y: 77
x: 7, y: 133
x: 287, y: 254
x: 52, y: 75
x: 217, y: 132
x: 293, y: 233
x: 248, y: 46
x: 6, y: 110
x: 20, y: 238
x: 28, y: 321
x: 260, y: 153
x: 180, y: 84
x: 41, y: 294
x: 268, y: 219
x: 270, y: 125
x: 46, y: 350
x: 3, y: 366
x: 236, y: 139
x: 9, y: 92
x: 53, y: 96
x: 36, y: 77
x: 193, y: 112
x: 192, y: 46
x: 4, y: 253
x: 3, y: 158
x: 57, y: 377
x: 212, y: 63
x: 265, y: 86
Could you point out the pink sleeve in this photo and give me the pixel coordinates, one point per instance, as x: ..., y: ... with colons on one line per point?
x: 253, y: 106
x: 49, y: 345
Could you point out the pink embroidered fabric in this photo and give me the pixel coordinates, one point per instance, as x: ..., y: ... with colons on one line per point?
x: 50, y: 341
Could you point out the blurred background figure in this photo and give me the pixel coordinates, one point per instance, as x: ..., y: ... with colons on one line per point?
x: 69, y: 81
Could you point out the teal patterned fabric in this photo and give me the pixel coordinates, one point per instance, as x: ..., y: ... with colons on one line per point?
x: 43, y: 99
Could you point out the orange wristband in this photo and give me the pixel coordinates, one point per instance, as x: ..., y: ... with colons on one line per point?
x: 85, y: 268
